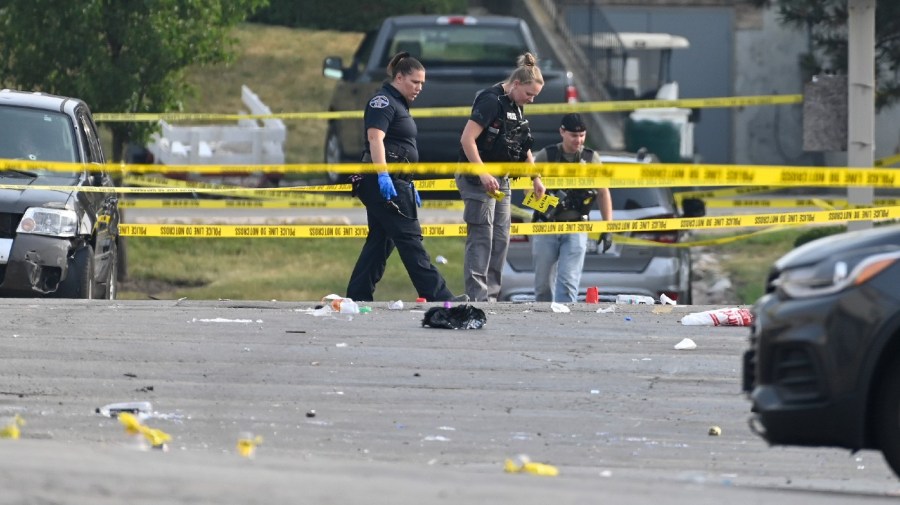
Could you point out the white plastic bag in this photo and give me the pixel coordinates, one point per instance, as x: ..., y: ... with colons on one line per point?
x: 686, y: 345
x: 731, y: 316
x: 559, y: 308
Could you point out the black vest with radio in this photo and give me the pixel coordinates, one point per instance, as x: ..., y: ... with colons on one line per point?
x: 574, y: 204
x: 508, y: 136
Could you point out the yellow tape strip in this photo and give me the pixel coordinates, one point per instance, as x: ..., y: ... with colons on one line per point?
x: 693, y: 243
x: 309, y: 202
x: 888, y: 161
x: 823, y: 203
x: 612, y: 106
x: 613, y: 174
x: 458, y: 230
x: 617, y: 175
x: 724, y: 192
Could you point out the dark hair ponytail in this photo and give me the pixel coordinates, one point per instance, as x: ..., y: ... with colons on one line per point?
x: 403, y: 63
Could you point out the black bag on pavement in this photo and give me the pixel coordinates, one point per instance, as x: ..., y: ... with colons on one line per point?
x: 460, y: 317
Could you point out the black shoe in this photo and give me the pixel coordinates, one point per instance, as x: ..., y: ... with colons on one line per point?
x: 460, y: 298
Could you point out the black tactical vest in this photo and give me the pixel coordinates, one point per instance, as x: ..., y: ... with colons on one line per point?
x: 574, y: 204
x: 505, y: 138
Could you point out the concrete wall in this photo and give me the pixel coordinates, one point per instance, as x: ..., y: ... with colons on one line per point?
x: 766, y: 56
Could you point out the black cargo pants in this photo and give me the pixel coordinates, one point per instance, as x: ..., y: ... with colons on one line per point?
x: 391, y: 227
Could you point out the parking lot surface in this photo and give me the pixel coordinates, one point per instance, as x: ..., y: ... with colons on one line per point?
x: 374, y: 408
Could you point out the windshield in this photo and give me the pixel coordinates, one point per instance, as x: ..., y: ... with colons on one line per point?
x: 459, y: 45
x: 36, y: 135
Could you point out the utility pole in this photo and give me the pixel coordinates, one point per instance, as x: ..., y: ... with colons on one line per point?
x: 861, y: 98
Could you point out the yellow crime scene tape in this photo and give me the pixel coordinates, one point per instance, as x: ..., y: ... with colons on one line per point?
x: 611, y: 106
x: 888, y: 161
x: 308, y: 202
x: 198, y: 230
x: 823, y: 203
x: 610, y: 175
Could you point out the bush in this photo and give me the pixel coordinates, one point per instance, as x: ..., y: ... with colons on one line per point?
x: 818, y: 232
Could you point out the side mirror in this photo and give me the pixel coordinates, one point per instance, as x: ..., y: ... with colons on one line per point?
x: 333, y: 67
x: 693, y: 207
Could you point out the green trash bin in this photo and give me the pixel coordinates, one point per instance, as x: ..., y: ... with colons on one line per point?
x: 662, y: 138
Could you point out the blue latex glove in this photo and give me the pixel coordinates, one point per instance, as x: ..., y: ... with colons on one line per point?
x: 386, y: 185
x: 416, y: 194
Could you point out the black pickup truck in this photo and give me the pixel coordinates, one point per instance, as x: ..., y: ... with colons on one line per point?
x: 461, y: 54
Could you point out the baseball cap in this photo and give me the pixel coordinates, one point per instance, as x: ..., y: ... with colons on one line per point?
x: 573, y: 123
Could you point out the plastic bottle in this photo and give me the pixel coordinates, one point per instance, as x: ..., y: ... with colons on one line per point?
x: 137, y: 409
x: 634, y: 300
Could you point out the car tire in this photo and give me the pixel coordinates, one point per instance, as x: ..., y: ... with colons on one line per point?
x: 79, y: 281
x: 887, y: 416
x: 334, y: 154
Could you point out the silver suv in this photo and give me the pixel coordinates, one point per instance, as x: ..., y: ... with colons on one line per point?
x: 623, y: 269
x: 62, y: 241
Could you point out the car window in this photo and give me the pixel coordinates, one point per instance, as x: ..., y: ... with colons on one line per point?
x: 36, y: 135
x: 363, y: 52
x: 639, y: 198
x: 445, y: 45
x: 91, y: 139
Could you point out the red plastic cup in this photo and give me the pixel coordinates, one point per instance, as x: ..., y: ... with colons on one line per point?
x: 593, y: 295
x: 420, y: 300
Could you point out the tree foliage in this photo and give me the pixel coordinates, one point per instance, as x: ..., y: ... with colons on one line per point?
x: 826, y: 23
x: 349, y: 15
x: 116, y: 55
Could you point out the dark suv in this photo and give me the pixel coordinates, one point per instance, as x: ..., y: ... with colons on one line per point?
x: 823, y: 368
x: 58, y: 228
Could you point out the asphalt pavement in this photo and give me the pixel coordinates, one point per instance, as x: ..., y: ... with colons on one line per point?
x: 374, y: 408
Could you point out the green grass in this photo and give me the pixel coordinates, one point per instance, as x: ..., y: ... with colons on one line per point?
x: 748, y: 261
x: 283, y: 66
x: 268, y: 269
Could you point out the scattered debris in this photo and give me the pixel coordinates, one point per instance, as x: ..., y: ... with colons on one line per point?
x: 461, y: 317
x: 11, y: 428
x: 715, y: 431
x: 247, y: 443
x: 523, y: 464
x: 732, y: 316
x: 156, y: 438
x: 559, y: 308
x: 686, y: 345
x: 142, y: 410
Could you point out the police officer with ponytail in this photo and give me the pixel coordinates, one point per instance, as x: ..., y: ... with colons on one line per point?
x: 496, y: 131
x: 389, y: 195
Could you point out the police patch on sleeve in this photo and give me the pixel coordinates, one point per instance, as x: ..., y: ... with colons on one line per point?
x: 379, y: 102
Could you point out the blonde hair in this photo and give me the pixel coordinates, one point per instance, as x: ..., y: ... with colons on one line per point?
x: 526, y: 71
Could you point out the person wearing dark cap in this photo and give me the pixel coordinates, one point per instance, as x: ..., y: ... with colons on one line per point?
x: 566, y: 251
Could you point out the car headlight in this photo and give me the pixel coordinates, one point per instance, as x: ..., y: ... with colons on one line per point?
x: 52, y: 222
x: 833, y: 275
